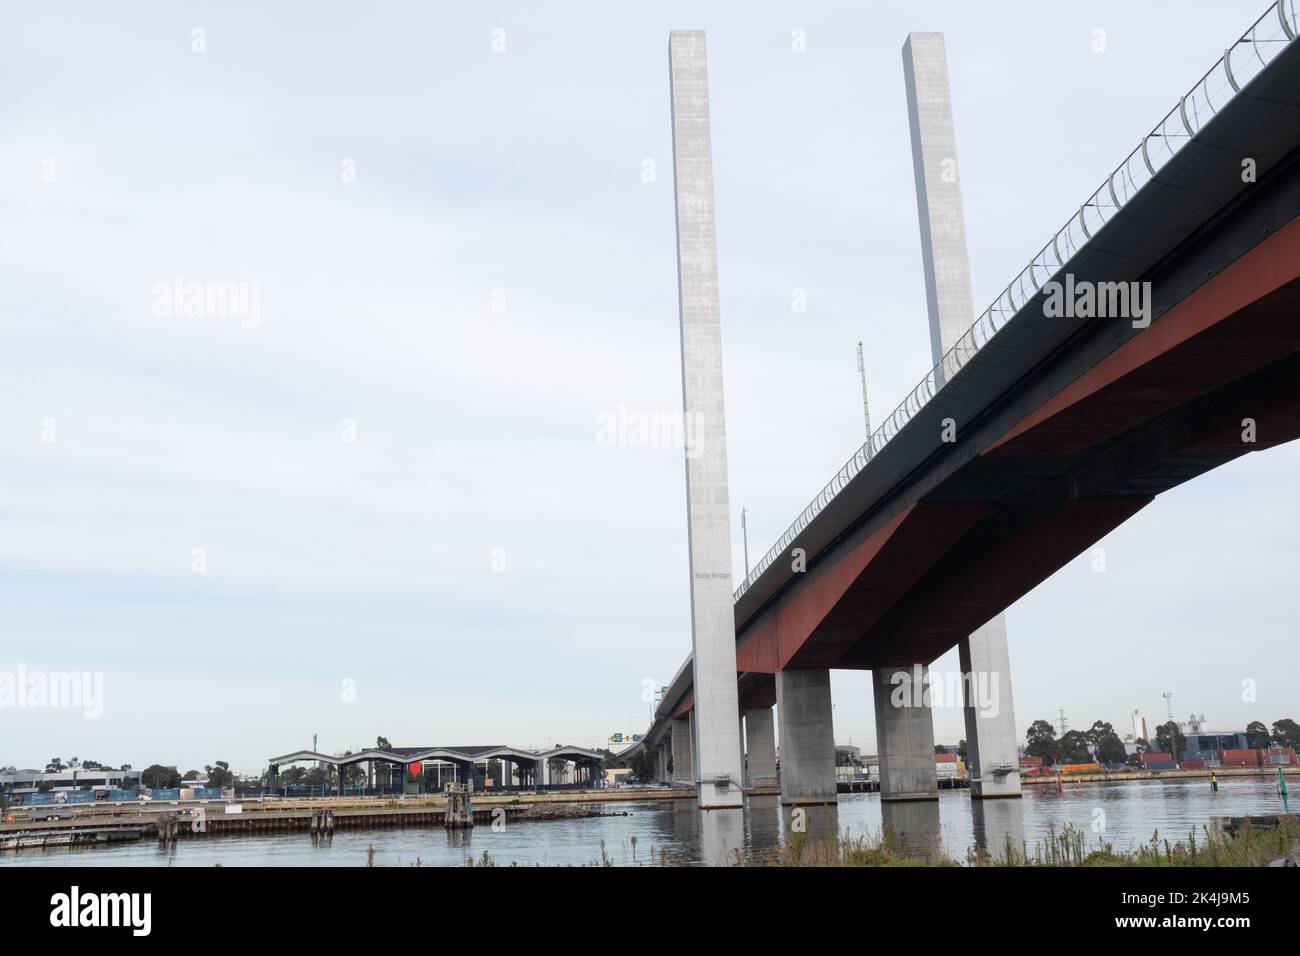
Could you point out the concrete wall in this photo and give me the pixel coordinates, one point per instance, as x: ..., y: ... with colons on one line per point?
x: 803, y: 705
x: 713, y: 633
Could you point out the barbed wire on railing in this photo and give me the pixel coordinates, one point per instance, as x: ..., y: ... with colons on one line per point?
x: 1265, y: 39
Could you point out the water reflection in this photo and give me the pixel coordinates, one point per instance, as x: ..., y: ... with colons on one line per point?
x: 998, y: 826
x: 916, y: 823
x: 722, y: 836
x: 819, y: 821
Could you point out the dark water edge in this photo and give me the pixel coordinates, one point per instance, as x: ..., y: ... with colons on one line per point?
x: 674, y: 832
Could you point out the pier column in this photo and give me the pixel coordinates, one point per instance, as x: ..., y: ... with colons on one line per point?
x: 904, y: 733
x: 717, y: 759
x: 803, y: 706
x: 662, y: 769
x: 992, y: 757
x: 760, y: 739
x: 991, y: 734
x: 683, y: 772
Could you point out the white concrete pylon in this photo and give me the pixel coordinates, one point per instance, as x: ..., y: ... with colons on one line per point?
x: 717, y: 760
x: 991, y: 735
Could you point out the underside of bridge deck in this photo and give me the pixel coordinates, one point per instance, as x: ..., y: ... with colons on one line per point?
x: 1215, y: 377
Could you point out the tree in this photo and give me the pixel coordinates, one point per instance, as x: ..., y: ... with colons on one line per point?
x: 1256, y: 735
x: 1286, y: 733
x: 220, y: 775
x: 381, y: 743
x: 316, y: 777
x: 1105, y: 743
x: 1040, y: 741
x: 644, y: 766
x: 961, y: 749
x: 158, y: 777
x: 1111, y: 749
x: 189, y: 775
x: 1170, y: 740
x: 1073, y: 747
x: 55, y: 765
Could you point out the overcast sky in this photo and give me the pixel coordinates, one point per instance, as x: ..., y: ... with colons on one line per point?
x: 463, y: 256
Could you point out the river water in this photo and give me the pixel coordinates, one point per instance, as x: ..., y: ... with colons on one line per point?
x: 640, y: 833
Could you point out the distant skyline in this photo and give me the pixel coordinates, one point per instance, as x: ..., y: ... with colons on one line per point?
x: 368, y: 494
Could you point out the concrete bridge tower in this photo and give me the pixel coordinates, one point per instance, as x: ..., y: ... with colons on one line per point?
x: 717, y: 763
x: 991, y: 735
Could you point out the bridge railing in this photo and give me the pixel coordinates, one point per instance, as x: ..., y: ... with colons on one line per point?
x: 1240, y: 63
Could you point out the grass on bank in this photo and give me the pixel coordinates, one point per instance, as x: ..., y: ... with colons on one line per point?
x: 1066, y: 847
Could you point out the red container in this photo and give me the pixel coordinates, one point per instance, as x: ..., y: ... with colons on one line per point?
x: 1239, y: 758
x: 1027, y: 763
x: 1156, y: 757
x: 1193, y: 764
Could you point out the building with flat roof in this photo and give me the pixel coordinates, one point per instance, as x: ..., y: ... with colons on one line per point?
x: 32, y: 781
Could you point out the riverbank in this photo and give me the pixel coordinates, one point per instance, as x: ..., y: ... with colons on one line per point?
x: 98, y: 824
x: 1120, y: 776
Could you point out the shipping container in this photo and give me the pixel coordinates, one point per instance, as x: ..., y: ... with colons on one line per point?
x: 1158, y: 764
x: 1239, y: 758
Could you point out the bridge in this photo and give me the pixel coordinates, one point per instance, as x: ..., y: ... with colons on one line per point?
x: 1153, y: 338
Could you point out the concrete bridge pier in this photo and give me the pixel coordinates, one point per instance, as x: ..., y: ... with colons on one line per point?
x: 760, y: 738
x: 992, y: 760
x: 683, y: 762
x: 904, y: 734
x: 803, y: 706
